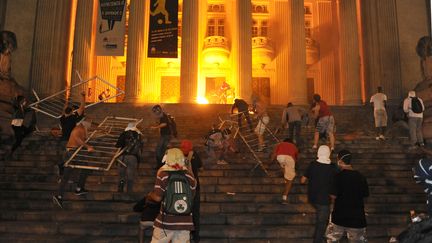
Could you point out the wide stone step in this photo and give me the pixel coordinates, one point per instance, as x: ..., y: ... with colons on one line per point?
x: 214, y: 231
x: 205, y: 197
x: 206, y: 219
x: 206, y: 207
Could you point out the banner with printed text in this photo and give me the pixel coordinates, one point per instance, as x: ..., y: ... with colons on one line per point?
x: 163, y: 29
x: 111, y: 27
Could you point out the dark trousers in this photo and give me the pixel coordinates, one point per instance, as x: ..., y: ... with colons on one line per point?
x: 161, y: 148
x: 20, y: 133
x: 321, y: 222
x: 246, y: 114
x: 128, y: 174
x: 196, y: 216
x: 294, y: 129
x: 67, y: 173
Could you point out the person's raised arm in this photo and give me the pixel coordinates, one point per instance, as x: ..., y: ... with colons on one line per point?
x: 80, y: 110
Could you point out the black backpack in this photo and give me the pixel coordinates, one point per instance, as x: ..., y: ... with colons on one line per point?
x: 178, y: 197
x: 172, y: 125
x: 133, y: 143
x: 416, y: 105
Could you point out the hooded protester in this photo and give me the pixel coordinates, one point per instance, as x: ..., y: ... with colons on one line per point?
x: 319, y: 175
x: 130, y: 142
x: 170, y: 226
x: 194, y: 164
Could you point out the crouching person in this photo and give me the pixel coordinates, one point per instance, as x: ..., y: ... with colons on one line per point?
x: 130, y: 142
x: 175, y: 187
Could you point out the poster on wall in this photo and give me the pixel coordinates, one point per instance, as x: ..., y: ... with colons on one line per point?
x: 163, y: 29
x: 111, y: 27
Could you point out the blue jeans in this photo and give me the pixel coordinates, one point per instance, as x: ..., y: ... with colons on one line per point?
x: 321, y: 222
x: 161, y: 148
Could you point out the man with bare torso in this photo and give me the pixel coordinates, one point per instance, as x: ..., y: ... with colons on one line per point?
x: 77, y: 139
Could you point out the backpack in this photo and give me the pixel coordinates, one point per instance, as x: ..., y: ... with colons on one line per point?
x: 172, y: 124
x: 133, y: 143
x: 416, y: 105
x: 178, y: 195
x: 215, y: 138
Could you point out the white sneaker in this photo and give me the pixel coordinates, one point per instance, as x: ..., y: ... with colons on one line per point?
x: 382, y: 137
x: 377, y: 138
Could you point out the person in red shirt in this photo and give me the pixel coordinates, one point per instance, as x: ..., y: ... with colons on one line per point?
x: 326, y: 123
x: 286, y: 154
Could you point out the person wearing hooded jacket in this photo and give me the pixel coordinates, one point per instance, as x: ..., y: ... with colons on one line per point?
x: 167, y: 227
x: 319, y: 175
x: 130, y: 156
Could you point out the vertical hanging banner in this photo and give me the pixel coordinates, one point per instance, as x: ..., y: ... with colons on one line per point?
x: 111, y: 24
x: 163, y: 29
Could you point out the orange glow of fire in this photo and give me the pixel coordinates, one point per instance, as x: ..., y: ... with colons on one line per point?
x: 202, y: 100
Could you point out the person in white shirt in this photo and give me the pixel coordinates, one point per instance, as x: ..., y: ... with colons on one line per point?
x: 414, y: 107
x: 378, y: 101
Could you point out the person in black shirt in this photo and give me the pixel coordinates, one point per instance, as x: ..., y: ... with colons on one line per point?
x: 165, y: 133
x: 23, y: 123
x: 348, y: 192
x: 242, y: 109
x: 319, y: 175
x: 68, y: 121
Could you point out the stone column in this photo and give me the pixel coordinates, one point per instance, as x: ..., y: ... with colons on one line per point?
x: 289, y: 35
x: 50, y: 46
x: 349, y: 65
x: 383, y: 49
x: 84, y: 43
x: 141, y: 85
x: 242, y: 43
x: 135, y: 49
x: 189, y: 53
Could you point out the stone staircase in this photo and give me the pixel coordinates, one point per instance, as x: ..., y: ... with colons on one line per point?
x: 236, y: 205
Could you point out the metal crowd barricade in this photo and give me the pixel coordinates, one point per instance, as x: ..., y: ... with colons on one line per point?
x: 250, y: 139
x: 103, y: 140
x: 96, y: 86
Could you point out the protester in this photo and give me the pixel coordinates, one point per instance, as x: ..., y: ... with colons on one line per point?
x: 319, y: 175
x: 173, y: 224
x: 325, y: 124
x: 348, y: 192
x: 263, y: 120
x: 286, y: 154
x: 229, y: 142
x: 68, y: 121
x: 130, y: 142
x: 194, y: 164
x: 292, y: 116
x: 77, y: 139
x: 414, y: 107
x: 23, y: 123
x: 165, y: 133
x: 378, y: 101
x: 216, y: 148
x: 242, y: 110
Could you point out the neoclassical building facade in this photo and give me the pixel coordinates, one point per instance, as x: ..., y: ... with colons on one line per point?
x: 284, y: 50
